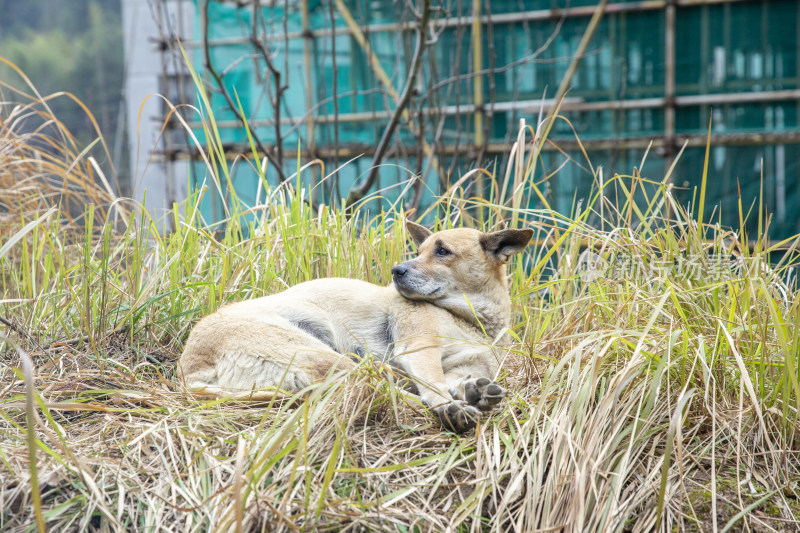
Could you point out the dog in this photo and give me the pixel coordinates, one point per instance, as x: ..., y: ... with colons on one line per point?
x: 439, y: 321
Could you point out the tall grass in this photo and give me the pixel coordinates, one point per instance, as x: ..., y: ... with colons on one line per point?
x: 653, y: 374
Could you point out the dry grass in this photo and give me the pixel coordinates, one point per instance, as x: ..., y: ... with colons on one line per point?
x: 660, y: 395
x: 42, y: 163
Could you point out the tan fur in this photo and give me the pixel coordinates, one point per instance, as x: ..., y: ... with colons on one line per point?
x: 437, y: 322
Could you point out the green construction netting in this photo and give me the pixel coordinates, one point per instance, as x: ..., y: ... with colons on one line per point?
x: 721, y: 48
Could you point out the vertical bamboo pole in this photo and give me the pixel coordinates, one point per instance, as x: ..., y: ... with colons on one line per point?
x: 477, y: 66
x: 477, y: 91
x: 307, y: 36
x: 169, y: 150
x: 669, y: 83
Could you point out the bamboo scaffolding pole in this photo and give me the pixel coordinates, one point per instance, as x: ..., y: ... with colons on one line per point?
x: 669, y: 83
x: 164, y: 79
x: 570, y: 104
x: 477, y: 66
x: 697, y: 140
x: 307, y: 60
x: 477, y: 83
x: 307, y: 36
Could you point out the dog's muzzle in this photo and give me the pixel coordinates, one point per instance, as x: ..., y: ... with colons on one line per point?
x: 411, y: 283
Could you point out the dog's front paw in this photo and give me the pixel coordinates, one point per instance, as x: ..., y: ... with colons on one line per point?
x: 458, y: 416
x: 483, y: 393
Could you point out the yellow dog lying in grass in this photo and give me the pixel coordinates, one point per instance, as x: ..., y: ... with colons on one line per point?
x: 432, y: 321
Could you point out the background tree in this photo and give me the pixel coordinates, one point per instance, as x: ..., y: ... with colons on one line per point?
x: 73, y: 47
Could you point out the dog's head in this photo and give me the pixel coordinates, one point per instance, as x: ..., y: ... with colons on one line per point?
x: 455, y: 263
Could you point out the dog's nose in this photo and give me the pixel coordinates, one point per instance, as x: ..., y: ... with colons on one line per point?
x: 399, y: 271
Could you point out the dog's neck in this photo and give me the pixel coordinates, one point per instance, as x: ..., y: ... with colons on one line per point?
x: 482, y: 311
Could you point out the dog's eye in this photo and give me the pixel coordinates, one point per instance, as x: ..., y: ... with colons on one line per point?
x: 442, y: 251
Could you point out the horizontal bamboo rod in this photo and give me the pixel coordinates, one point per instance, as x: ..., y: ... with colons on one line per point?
x: 233, y: 150
x: 533, y: 106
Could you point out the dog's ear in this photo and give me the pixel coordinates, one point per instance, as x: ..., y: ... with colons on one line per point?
x: 418, y: 233
x: 503, y: 244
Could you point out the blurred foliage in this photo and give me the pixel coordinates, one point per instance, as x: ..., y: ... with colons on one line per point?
x: 21, y: 16
x: 73, y: 47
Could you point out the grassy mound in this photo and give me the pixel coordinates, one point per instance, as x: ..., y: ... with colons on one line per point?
x: 653, y: 378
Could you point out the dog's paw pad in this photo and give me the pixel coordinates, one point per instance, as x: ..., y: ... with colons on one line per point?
x: 458, y: 416
x: 483, y: 393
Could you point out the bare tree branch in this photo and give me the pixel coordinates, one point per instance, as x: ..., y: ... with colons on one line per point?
x: 276, y: 75
x: 231, y: 104
x: 358, y: 193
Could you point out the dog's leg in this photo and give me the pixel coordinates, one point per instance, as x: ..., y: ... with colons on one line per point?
x: 421, y: 360
x: 252, y: 377
x: 256, y: 359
